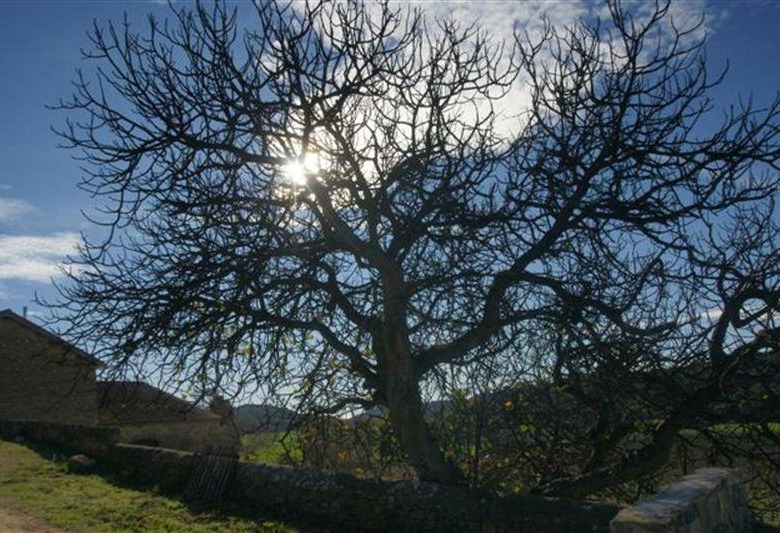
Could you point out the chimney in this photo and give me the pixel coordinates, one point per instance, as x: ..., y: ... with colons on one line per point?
x: 24, y: 312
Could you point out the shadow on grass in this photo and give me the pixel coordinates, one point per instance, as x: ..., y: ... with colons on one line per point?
x: 266, y: 519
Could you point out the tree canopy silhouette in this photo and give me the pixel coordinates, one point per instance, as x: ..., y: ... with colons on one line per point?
x: 327, y: 201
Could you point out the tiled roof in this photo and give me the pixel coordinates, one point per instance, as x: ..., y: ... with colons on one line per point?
x: 136, y: 401
x: 81, y: 355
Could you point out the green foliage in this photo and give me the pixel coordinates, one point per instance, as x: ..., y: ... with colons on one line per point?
x: 363, y: 446
x: 272, y: 447
x: 482, y: 436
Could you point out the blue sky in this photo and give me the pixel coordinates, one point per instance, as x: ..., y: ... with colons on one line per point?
x: 39, y: 49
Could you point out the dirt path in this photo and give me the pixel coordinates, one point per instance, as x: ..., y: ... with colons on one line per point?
x: 14, y: 520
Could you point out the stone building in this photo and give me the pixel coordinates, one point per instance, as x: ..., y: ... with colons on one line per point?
x: 147, y: 415
x: 43, y: 378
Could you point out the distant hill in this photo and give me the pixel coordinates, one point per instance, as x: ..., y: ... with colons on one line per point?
x: 433, y: 409
x: 253, y: 418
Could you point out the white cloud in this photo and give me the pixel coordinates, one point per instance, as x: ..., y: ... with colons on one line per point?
x: 12, y: 209
x: 35, y: 257
x: 711, y: 315
x: 502, y: 20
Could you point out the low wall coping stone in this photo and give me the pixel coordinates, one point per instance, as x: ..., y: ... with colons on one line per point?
x: 710, y: 499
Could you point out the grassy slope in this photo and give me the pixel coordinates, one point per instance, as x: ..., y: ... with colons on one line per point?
x: 267, y: 447
x: 91, y: 504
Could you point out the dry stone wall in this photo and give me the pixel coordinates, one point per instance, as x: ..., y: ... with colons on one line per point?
x: 339, y: 502
x: 347, y: 503
x: 711, y: 499
x: 92, y: 440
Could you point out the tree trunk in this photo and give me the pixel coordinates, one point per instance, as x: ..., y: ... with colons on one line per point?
x: 406, y: 416
x: 405, y: 404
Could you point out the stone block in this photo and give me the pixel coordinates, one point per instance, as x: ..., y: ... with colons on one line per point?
x: 80, y: 464
x: 711, y: 499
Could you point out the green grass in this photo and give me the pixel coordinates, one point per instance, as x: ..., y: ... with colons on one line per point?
x: 271, y: 447
x: 90, y: 503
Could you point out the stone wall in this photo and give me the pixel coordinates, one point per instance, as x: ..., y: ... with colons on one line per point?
x: 168, y: 469
x: 329, y: 500
x: 93, y: 440
x: 711, y: 499
x: 43, y: 380
x: 344, y: 502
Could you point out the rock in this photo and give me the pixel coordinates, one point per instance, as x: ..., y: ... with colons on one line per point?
x: 80, y: 464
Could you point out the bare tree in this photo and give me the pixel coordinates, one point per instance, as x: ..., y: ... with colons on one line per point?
x: 321, y: 200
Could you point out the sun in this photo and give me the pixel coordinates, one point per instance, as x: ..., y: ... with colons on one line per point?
x: 298, y: 170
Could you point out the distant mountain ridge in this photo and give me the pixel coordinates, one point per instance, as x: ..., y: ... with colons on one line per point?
x: 253, y: 418
x: 433, y: 409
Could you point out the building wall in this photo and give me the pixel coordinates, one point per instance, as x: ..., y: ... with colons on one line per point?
x: 40, y: 381
x: 191, y: 435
